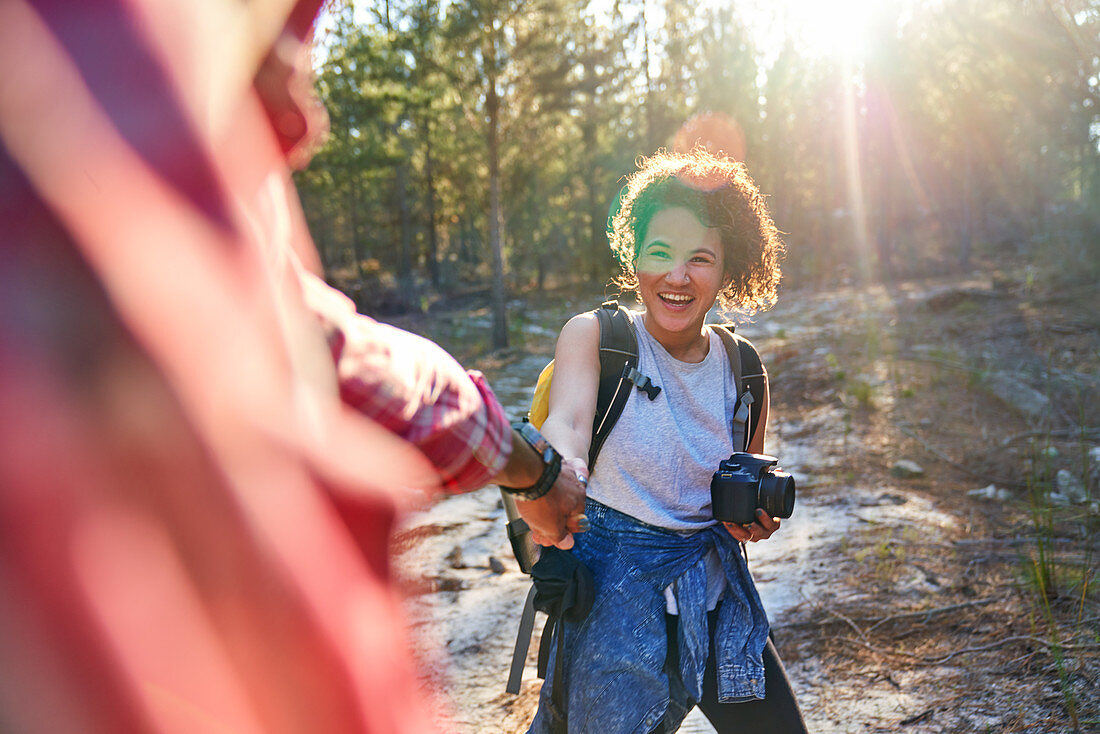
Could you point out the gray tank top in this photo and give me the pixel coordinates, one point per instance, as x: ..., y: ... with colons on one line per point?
x: 657, y: 461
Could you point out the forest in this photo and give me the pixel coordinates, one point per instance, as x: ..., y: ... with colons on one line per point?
x: 934, y: 357
x: 229, y: 503
x: 479, y: 144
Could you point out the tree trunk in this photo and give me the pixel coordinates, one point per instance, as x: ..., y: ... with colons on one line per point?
x: 492, y: 104
x: 433, y: 235
x: 649, y: 123
x: 967, y: 237
x: 597, y: 221
x: 406, y: 282
x: 353, y: 220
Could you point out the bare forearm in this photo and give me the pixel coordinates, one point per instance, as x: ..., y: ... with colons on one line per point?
x: 524, y: 466
x: 571, y: 441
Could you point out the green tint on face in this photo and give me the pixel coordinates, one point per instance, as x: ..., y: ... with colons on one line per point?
x: 656, y: 257
x: 675, y: 239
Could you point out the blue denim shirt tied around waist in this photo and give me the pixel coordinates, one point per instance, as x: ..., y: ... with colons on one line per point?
x: 615, y: 676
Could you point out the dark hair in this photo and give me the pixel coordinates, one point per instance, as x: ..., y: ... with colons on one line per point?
x: 721, y: 194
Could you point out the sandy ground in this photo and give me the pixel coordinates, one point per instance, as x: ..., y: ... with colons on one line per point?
x: 475, y: 621
x: 840, y: 580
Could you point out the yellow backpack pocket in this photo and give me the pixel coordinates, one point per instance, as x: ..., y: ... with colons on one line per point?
x: 540, y: 403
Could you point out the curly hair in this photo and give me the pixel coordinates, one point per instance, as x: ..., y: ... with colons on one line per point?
x: 721, y: 194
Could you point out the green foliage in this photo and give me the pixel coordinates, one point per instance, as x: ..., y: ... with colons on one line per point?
x: 966, y: 131
x: 1058, y: 579
x: 862, y: 391
x: 883, y: 553
x: 833, y: 363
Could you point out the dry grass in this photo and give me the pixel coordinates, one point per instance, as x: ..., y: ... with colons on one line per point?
x: 993, y: 622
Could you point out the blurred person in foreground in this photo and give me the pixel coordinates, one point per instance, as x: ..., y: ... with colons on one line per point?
x: 194, y: 512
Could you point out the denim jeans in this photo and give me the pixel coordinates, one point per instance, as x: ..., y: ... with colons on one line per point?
x: 776, y: 714
x: 615, y: 658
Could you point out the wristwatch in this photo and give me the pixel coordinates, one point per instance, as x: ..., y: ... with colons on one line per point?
x: 550, y: 458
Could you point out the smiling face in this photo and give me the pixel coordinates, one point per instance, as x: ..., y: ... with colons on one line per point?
x: 720, y: 194
x: 679, y: 270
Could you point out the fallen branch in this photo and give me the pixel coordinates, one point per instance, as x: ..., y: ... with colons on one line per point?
x: 917, y: 718
x: 1087, y: 433
x: 1015, y: 540
x: 876, y: 621
x: 914, y: 357
x: 925, y: 660
x: 929, y: 612
x: 850, y: 623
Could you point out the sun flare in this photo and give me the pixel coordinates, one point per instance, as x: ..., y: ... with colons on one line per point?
x: 825, y: 29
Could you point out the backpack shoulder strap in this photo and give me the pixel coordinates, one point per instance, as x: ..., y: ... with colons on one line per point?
x: 618, y: 357
x: 618, y: 371
x: 751, y: 380
x: 618, y: 368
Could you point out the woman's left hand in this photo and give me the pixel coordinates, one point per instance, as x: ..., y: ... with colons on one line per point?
x: 762, y: 529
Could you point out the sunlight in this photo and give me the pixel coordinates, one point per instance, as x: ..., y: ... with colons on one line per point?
x: 833, y: 29
x: 836, y: 29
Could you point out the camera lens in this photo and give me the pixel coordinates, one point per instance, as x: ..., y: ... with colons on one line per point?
x: 777, y: 494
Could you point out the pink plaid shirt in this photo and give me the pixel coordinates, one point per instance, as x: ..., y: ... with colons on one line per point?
x: 194, y: 527
x: 415, y: 389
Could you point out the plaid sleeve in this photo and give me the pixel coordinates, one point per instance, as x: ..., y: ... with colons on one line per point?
x: 418, y: 391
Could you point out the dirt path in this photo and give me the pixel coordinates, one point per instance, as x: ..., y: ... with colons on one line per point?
x: 864, y: 549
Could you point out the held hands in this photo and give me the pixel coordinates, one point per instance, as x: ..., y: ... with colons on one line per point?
x: 558, y: 514
x: 762, y: 529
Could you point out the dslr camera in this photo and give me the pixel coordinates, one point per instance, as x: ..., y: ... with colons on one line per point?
x: 745, y: 482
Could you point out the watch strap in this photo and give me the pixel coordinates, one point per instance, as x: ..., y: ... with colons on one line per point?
x: 551, y: 463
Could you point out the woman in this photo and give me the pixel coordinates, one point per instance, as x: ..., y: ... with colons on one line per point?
x: 676, y: 619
